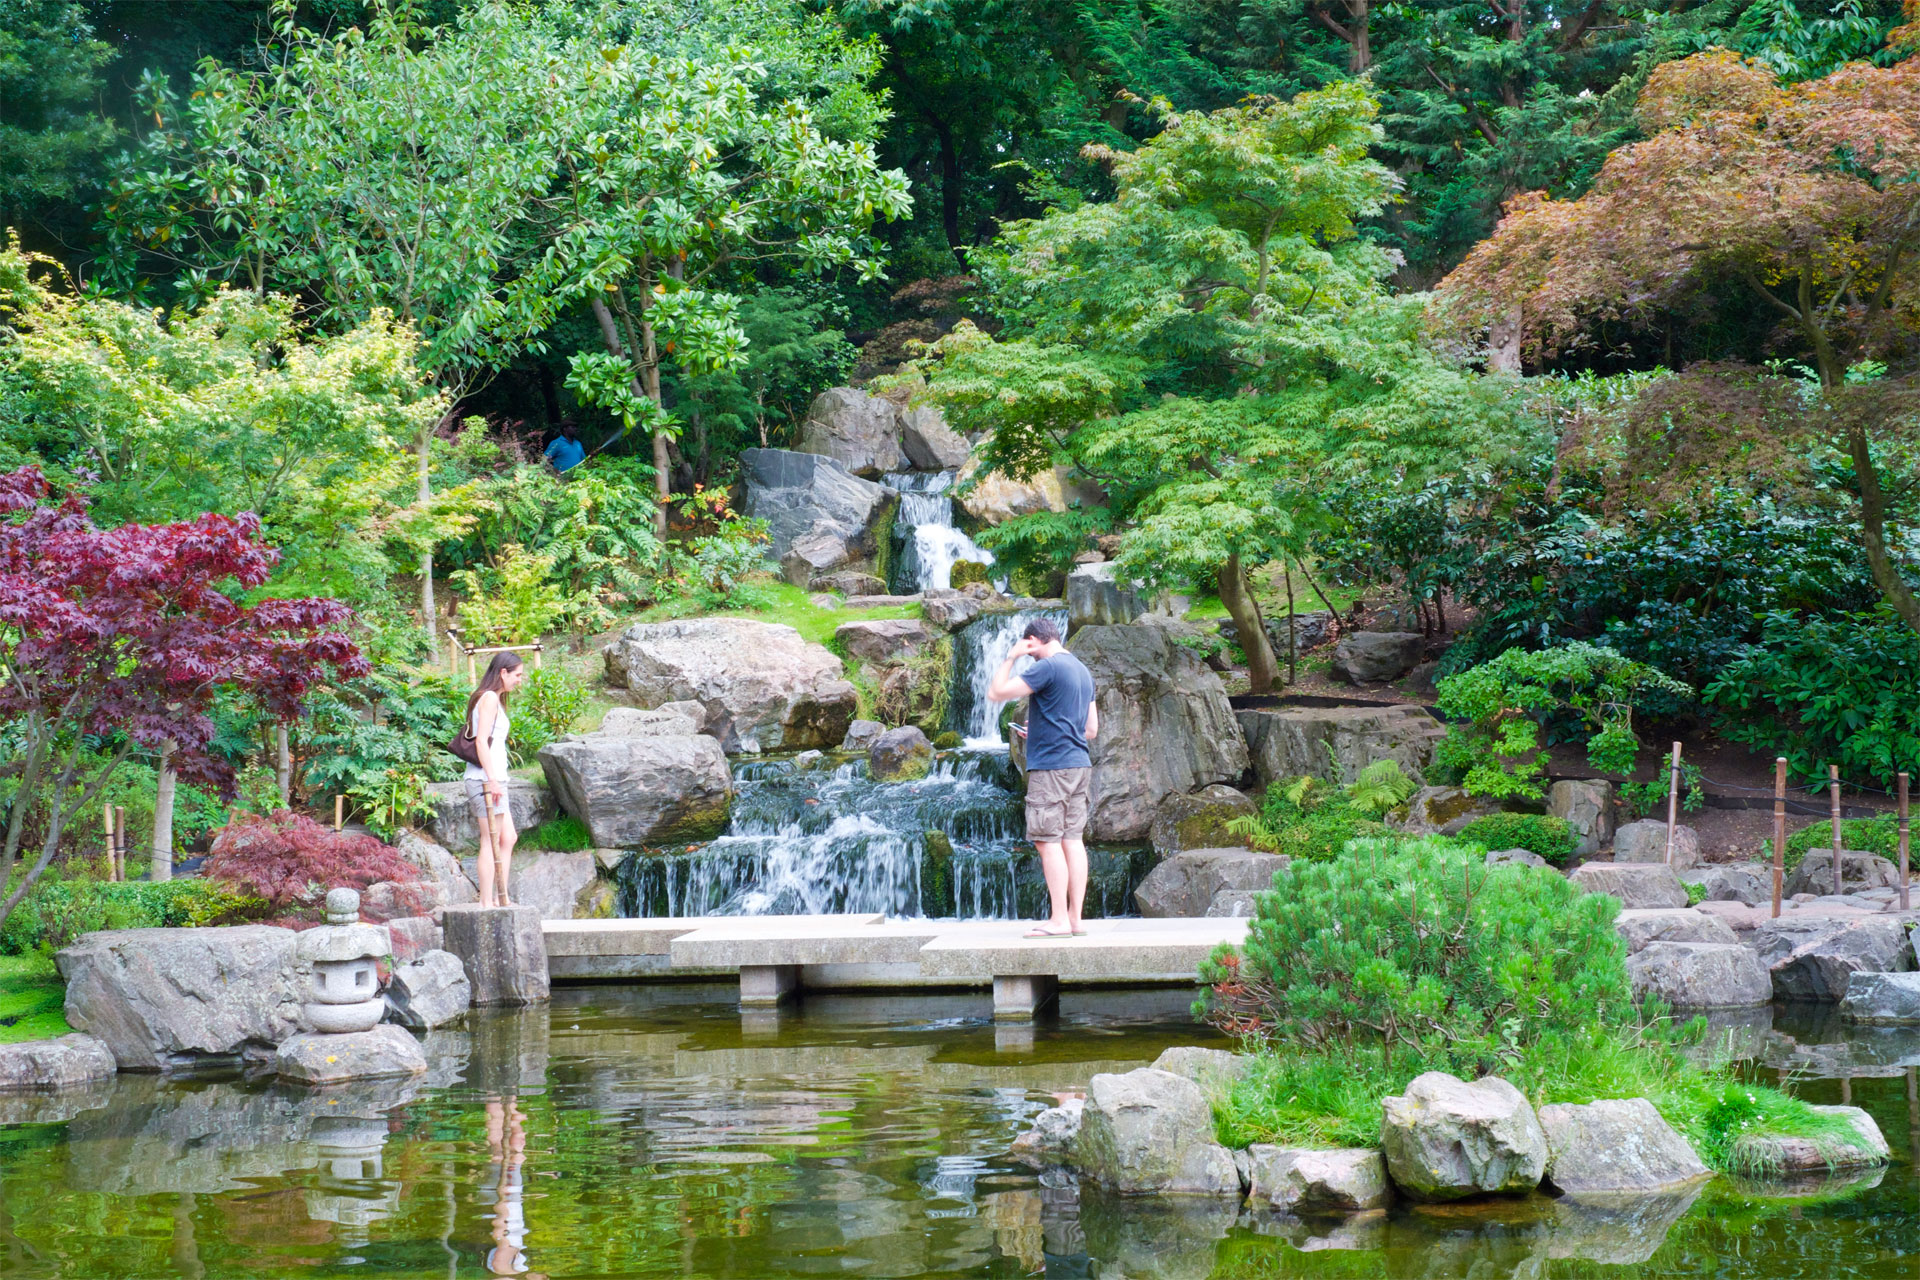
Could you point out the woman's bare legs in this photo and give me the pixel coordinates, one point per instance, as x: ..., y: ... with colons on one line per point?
x: 504, y: 838
x: 486, y: 865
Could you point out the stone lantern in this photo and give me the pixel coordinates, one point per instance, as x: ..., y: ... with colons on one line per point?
x: 344, y: 1006
x: 345, y: 956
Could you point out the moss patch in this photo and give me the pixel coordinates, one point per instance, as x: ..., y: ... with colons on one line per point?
x: 32, y: 999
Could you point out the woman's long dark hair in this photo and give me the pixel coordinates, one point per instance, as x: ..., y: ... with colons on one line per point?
x: 492, y: 681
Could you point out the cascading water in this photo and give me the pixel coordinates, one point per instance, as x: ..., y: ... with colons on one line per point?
x: 979, y: 649
x: 816, y: 837
x: 929, y: 543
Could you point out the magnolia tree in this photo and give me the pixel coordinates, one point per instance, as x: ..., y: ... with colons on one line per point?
x: 117, y: 640
x: 1806, y: 196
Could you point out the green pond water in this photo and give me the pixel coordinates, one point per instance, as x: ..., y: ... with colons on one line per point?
x: 653, y: 1132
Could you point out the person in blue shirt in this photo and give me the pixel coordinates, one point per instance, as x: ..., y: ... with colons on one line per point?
x: 566, y: 452
x: 1061, y: 720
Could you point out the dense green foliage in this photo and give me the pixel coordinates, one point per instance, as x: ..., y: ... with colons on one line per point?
x: 56, y: 912
x: 1550, y: 838
x: 1306, y: 818
x: 1831, y: 690
x: 1504, y: 705
x: 1879, y: 836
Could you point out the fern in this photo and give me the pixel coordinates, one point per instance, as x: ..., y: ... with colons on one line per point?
x: 1380, y: 788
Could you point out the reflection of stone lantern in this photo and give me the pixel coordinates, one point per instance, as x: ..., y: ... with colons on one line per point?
x: 345, y: 956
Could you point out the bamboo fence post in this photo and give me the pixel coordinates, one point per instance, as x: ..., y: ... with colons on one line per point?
x: 1903, y: 842
x: 339, y: 812
x: 1833, y: 791
x: 1779, y: 828
x: 119, y: 842
x: 1673, y: 800
x: 106, y: 818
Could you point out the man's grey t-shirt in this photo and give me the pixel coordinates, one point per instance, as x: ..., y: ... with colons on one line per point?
x: 1057, y: 712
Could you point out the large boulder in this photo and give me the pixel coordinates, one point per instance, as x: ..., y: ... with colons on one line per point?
x: 1152, y: 1132
x: 997, y: 497
x: 851, y: 582
x: 1858, y: 872
x: 861, y: 735
x: 429, y: 992
x: 1166, y: 728
x: 1369, y: 657
x: 948, y: 610
x: 1200, y: 820
x: 1783, y: 1155
x: 439, y: 864
x: 1446, y: 1139
x: 1815, y: 958
x: 164, y: 998
x: 900, y: 755
x: 1748, y: 883
x: 1700, y: 975
x: 1882, y: 999
x: 763, y: 686
x: 1214, y: 1070
x: 929, y: 443
x: 1097, y: 597
x: 1336, y: 743
x: 1585, y: 805
x: 635, y: 791
x: 62, y: 1063
x: 528, y: 801
x: 1616, y: 1145
x: 807, y: 495
x: 1637, y: 885
x: 857, y: 430
x: 552, y: 883
x: 882, y: 640
x: 1186, y: 884
x: 313, y: 1059
x: 634, y: 722
x: 1442, y: 811
x: 1308, y: 1182
x: 1646, y: 841
x: 1673, y: 924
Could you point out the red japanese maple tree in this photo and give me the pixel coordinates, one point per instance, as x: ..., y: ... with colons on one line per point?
x: 123, y: 637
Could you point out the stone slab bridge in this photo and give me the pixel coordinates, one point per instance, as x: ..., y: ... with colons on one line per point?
x: 776, y: 956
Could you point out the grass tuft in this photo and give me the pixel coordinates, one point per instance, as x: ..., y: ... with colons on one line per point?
x: 32, y: 999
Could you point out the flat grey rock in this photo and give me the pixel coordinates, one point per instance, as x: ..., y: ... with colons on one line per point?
x: 1637, y: 885
x: 1616, y: 1145
x: 1336, y: 743
x: 636, y: 791
x: 1187, y: 884
x: 1700, y: 975
x: 429, y: 993
x: 66, y: 1062
x: 1671, y: 924
x: 1448, y: 1139
x: 313, y: 1059
x: 1152, y: 1131
x: 1646, y: 841
x: 1309, y: 1182
x: 1882, y: 999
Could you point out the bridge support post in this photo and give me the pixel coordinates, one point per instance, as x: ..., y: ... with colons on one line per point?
x: 1018, y: 997
x: 763, y: 986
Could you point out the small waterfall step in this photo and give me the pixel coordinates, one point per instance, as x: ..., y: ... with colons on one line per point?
x: 928, y: 542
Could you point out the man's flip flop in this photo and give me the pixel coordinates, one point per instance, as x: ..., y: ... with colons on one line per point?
x: 1048, y: 933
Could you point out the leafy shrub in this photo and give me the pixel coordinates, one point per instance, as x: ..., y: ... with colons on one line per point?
x: 516, y: 601
x: 544, y: 708
x: 564, y: 834
x: 289, y: 861
x: 1506, y: 703
x: 55, y: 912
x: 1304, y: 818
x: 384, y: 737
x: 1863, y: 835
x: 1419, y: 947
x: 1820, y: 691
x: 1696, y: 893
x: 1550, y: 838
x: 714, y: 568
x: 1649, y: 799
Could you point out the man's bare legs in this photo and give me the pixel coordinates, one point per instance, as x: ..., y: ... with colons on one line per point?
x: 1064, y: 863
x: 1075, y: 851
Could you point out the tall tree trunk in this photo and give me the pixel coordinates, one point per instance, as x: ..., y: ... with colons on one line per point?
x: 646, y: 382
x: 949, y: 189
x: 424, y: 492
x: 1873, y: 528
x: 160, y: 868
x: 1248, y: 625
x: 1360, y: 49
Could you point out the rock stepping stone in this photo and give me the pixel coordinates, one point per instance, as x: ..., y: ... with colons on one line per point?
x: 62, y: 1063
x: 1307, y: 1182
x: 1616, y: 1145
x: 1700, y: 975
x: 1152, y: 1131
x: 1447, y: 1139
x: 1882, y: 999
x: 1637, y: 885
x: 312, y: 1058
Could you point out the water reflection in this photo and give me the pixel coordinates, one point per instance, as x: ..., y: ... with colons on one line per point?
x: 650, y: 1132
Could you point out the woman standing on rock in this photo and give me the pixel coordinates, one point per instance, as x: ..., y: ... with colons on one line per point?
x: 487, y: 727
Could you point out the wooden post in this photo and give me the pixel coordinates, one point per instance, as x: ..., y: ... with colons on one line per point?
x: 106, y: 819
x: 537, y: 651
x: 1833, y: 791
x: 339, y: 812
x: 1903, y: 842
x: 1779, y: 828
x: 1673, y: 800
x: 283, y: 765
x: 119, y: 842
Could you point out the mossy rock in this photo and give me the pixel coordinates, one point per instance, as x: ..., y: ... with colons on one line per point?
x: 936, y: 875
x: 1200, y: 820
x: 966, y: 573
x: 946, y: 741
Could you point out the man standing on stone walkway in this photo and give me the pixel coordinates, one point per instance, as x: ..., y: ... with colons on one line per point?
x: 1061, y: 720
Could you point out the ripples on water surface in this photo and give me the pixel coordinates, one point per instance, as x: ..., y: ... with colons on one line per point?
x: 650, y: 1132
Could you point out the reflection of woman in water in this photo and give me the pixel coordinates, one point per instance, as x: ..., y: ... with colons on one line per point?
x: 507, y: 1149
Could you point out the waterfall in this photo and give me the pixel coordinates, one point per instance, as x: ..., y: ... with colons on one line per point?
x: 929, y: 544
x: 828, y: 838
x: 979, y: 649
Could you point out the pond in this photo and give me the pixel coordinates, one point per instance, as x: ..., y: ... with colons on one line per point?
x: 651, y: 1131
